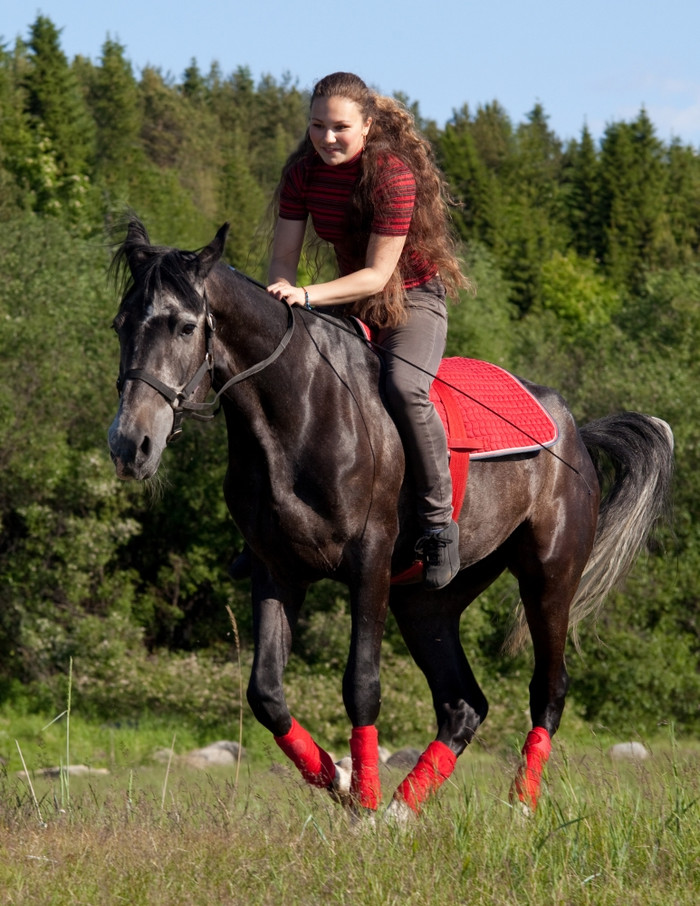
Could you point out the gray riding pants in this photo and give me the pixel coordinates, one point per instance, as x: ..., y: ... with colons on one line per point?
x: 420, y: 341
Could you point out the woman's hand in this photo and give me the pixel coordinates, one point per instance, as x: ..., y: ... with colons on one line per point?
x: 283, y: 289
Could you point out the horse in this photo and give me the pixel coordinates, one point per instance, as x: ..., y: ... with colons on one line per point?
x: 316, y: 485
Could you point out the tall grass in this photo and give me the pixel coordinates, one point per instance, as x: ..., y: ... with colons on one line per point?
x: 604, y: 834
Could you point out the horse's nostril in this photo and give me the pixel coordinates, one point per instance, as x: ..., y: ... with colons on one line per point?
x: 146, y: 446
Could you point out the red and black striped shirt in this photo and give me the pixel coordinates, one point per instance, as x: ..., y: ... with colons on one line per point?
x: 323, y: 191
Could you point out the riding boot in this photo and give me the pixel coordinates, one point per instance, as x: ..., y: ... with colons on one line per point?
x: 439, y: 552
x: 242, y: 566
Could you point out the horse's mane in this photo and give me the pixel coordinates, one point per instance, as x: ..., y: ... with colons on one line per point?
x: 139, y: 269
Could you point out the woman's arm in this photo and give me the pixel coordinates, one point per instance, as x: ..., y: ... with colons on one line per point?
x: 286, y: 251
x: 383, y: 253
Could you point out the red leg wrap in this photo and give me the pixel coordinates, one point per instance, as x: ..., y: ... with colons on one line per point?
x: 316, y: 766
x: 536, y: 750
x: 365, y: 786
x: 433, y: 768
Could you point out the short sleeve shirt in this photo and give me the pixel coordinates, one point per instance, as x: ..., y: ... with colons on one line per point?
x: 323, y: 192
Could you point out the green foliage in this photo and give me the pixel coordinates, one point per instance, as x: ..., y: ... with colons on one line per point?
x: 585, y: 259
x: 578, y: 295
x: 632, y: 198
x: 61, y: 520
x: 481, y: 326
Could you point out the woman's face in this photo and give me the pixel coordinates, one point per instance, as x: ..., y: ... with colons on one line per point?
x: 337, y: 129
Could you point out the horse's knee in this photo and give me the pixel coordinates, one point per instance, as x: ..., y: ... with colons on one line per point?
x: 269, y: 706
x: 458, y: 722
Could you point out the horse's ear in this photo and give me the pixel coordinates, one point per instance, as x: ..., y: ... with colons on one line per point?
x: 211, y: 254
x: 137, y: 245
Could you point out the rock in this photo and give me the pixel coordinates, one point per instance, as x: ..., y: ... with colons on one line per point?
x: 384, y: 755
x: 74, y: 770
x: 405, y: 759
x: 219, y: 754
x: 164, y: 756
x: 629, y: 751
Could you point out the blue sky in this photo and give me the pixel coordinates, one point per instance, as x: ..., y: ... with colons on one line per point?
x: 590, y: 63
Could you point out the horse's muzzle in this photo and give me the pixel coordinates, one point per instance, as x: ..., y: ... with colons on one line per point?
x: 136, y: 454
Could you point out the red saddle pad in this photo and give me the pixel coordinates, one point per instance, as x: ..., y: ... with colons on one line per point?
x: 487, y: 411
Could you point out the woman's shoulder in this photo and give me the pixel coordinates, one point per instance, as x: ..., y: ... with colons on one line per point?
x: 392, y: 170
x: 391, y: 164
x: 299, y: 167
x: 297, y: 175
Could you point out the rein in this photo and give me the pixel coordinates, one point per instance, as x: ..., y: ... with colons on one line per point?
x: 180, y: 399
x: 183, y: 406
x: 379, y: 348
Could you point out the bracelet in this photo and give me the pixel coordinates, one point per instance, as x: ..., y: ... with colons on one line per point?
x: 307, y: 304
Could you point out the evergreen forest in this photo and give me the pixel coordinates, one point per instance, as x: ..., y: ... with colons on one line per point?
x: 586, y: 259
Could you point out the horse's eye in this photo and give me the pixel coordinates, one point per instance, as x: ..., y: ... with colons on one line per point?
x: 188, y: 329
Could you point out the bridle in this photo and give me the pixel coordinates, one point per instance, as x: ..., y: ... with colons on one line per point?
x: 180, y: 400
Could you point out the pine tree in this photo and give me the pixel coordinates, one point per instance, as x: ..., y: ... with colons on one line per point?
x: 194, y: 85
x: 683, y: 205
x: 533, y: 225
x: 242, y: 203
x: 582, y: 197
x: 633, y: 196
x: 118, y: 113
x: 55, y: 103
x: 165, y: 127
x: 492, y: 131
x: 16, y: 141
x: 468, y: 178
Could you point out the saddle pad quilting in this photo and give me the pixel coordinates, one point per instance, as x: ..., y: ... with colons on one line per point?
x: 499, y: 415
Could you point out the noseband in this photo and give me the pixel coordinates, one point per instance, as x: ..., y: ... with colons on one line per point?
x: 180, y: 400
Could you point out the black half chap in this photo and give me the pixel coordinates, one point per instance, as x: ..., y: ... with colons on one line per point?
x: 420, y: 342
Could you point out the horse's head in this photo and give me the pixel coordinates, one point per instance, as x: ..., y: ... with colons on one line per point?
x: 164, y: 328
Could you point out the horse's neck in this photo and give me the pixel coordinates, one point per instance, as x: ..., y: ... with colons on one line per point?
x: 322, y: 360
x: 249, y: 322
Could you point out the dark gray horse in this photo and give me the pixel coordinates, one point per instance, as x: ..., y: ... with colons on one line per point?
x: 316, y: 486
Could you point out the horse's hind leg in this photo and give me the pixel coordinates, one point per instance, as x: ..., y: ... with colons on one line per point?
x: 548, y: 555
x: 547, y: 588
x: 431, y: 632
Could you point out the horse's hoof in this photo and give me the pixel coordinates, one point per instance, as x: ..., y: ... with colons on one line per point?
x: 340, y: 785
x: 399, y: 814
x: 362, y: 819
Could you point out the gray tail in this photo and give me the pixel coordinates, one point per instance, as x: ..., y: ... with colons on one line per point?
x: 633, y: 458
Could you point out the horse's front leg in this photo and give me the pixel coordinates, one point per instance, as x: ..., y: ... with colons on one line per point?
x: 369, y: 597
x: 275, y: 613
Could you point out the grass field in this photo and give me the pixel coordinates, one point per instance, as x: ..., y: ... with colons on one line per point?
x: 157, y: 833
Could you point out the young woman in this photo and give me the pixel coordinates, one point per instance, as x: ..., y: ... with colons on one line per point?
x: 368, y: 181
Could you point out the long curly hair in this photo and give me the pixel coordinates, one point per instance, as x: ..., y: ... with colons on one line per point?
x: 393, y: 131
